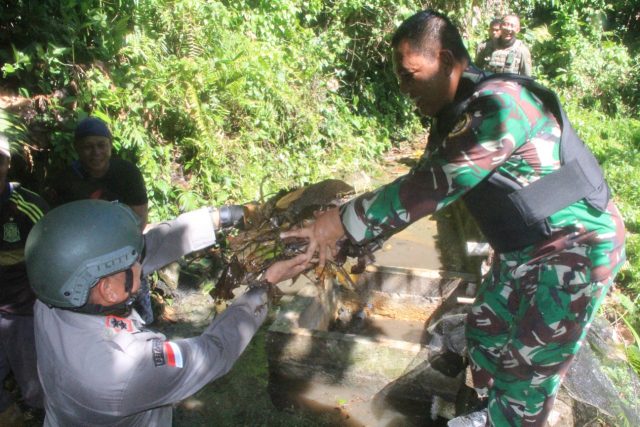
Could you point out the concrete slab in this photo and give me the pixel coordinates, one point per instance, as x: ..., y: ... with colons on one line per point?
x: 412, y: 248
x: 370, y: 373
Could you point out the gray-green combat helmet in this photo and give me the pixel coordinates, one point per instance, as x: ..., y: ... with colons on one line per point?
x: 75, y: 245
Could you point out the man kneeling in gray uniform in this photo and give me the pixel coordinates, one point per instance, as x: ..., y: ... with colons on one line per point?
x: 97, y: 363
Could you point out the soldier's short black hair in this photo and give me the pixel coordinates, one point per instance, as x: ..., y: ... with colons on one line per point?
x: 495, y: 21
x: 428, y: 27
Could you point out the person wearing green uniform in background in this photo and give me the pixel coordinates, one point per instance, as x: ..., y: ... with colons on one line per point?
x: 487, y: 46
x: 507, y: 54
x: 504, y: 145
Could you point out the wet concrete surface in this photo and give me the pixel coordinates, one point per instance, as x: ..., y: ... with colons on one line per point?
x: 395, y: 329
x: 358, y: 406
x: 414, y: 247
x: 302, y: 375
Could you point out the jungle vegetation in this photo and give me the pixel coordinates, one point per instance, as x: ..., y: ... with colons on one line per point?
x: 226, y: 101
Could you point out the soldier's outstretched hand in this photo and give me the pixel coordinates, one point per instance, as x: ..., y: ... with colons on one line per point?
x: 323, y: 235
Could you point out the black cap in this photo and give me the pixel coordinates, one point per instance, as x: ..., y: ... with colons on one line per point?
x: 92, y: 126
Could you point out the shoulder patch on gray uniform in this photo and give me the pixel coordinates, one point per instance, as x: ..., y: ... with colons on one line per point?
x: 119, y: 323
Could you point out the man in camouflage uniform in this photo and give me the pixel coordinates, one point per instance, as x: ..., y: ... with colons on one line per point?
x: 489, y: 44
x: 507, y: 54
x: 497, y: 143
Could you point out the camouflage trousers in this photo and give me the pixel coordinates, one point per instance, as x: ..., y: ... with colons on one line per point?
x: 524, y: 330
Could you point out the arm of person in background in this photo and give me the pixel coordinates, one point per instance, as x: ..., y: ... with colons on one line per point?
x: 127, y: 182
x: 55, y: 191
x: 485, y: 136
x: 143, y: 212
x: 137, y: 198
x: 480, y: 54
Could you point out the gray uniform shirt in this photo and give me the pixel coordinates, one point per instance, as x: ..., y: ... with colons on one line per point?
x: 110, y: 371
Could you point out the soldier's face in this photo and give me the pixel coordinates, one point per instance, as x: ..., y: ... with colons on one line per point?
x: 423, y: 77
x: 94, y: 153
x: 509, y: 28
x: 494, y: 32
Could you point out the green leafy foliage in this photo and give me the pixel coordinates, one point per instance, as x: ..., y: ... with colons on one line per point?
x: 227, y: 101
x: 220, y: 101
x: 633, y: 355
x: 41, y: 41
x: 581, y: 56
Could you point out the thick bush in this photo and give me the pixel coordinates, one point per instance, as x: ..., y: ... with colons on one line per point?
x: 224, y: 101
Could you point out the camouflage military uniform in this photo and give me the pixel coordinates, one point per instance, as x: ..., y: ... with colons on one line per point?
x: 531, y: 312
x: 483, y: 52
x: 511, y: 59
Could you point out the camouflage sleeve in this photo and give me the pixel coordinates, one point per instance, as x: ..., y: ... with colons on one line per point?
x: 484, y: 137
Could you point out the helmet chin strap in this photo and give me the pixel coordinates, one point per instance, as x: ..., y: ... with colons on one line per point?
x: 121, y: 309
x: 128, y: 281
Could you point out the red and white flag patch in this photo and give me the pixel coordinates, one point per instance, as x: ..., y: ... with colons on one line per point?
x: 173, y: 354
x: 166, y: 353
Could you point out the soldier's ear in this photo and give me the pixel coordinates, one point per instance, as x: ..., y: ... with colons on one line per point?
x: 447, y: 60
x: 106, y: 292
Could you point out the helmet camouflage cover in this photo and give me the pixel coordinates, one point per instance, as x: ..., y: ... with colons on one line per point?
x: 75, y: 245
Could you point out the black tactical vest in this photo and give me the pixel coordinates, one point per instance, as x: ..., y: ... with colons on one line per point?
x: 513, y: 217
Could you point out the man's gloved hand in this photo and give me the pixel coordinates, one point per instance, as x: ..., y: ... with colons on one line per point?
x: 231, y: 216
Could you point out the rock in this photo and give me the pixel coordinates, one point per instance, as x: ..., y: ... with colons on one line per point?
x: 592, y: 391
x: 441, y: 408
x: 562, y: 413
x: 170, y: 275
x: 474, y: 419
x: 361, y: 182
x: 448, y: 332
